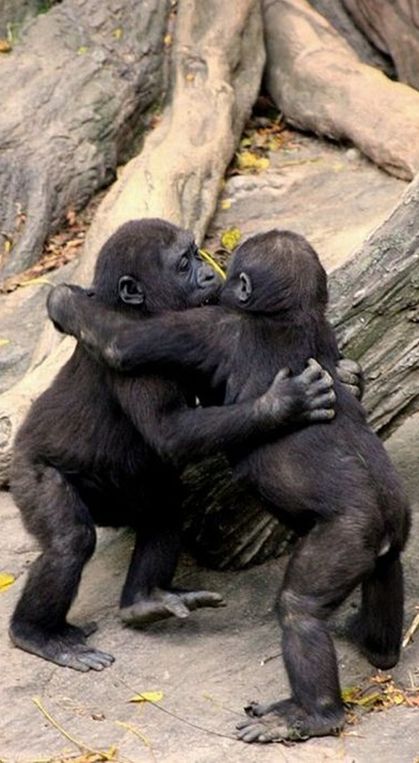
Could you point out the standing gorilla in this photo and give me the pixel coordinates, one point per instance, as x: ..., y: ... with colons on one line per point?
x: 100, y: 448
x: 334, y: 483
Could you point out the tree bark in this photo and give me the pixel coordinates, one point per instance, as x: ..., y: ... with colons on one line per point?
x: 73, y: 93
x: 320, y: 84
x: 394, y: 29
x: 342, y: 21
x: 374, y: 306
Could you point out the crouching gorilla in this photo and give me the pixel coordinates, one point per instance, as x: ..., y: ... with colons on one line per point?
x: 333, y: 483
x: 101, y: 448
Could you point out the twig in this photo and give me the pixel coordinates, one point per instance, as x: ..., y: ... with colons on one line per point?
x: 408, y: 636
x: 81, y: 745
x: 163, y: 709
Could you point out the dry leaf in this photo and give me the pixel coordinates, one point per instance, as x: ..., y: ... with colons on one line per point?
x: 147, y: 696
x: 6, y: 580
x: 379, y: 693
x: 248, y: 161
x: 5, y: 46
x: 230, y: 238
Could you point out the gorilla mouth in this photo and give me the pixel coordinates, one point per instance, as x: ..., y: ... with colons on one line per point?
x: 211, y: 299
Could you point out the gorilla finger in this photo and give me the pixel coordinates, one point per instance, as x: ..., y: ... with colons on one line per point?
x: 105, y: 657
x: 197, y: 599
x: 282, y: 374
x: 348, y: 378
x: 319, y: 414
x: 354, y: 390
x: 92, y: 663
x: 321, y: 386
x: 70, y: 660
x: 89, y: 655
x: 255, y: 709
x: 312, y: 371
x: 269, y: 736
x: 323, y: 401
x: 349, y: 365
x: 174, y: 604
x: 251, y: 733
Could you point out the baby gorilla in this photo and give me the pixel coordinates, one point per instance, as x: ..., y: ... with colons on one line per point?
x: 102, y: 448
x: 332, y: 483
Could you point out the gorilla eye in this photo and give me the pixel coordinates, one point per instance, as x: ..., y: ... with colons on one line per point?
x: 184, y: 263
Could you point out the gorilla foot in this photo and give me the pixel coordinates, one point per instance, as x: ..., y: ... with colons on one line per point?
x: 285, y: 720
x: 65, y: 647
x: 160, y: 604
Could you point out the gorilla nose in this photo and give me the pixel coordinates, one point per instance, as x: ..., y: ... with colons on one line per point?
x: 206, y: 276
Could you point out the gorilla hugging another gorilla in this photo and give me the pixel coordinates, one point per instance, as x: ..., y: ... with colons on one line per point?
x: 332, y: 482
x: 103, y: 448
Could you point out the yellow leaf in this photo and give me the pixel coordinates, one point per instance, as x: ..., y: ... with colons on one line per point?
x: 6, y: 580
x: 147, y: 696
x: 82, y: 49
x: 7, y: 246
x: 5, y: 46
x: 167, y: 40
x: 225, y: 204
x: 215, y: 266
x: 247, y: 160
x: 230, y: 238
x: 118, y: 33
x: 3, y: 342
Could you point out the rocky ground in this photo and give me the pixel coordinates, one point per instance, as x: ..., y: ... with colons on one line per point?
x: 207, y: 667
x: 211, y: 665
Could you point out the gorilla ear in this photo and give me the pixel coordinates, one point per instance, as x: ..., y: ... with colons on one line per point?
x: 130, y: 291
x: 245, y: 288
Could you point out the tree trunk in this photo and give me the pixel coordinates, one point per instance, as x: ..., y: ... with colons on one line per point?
x: 73, y: 93
x: 394, y: 29
x: 320, y: 84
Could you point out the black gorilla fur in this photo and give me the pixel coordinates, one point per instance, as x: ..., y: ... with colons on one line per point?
x: 333, y: 483
x: 101, y: 448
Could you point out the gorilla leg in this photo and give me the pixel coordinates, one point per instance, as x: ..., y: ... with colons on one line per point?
x: 147, y: 594
x: 53, y: 511
x: 377, y: 628
x: 323, y: 570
